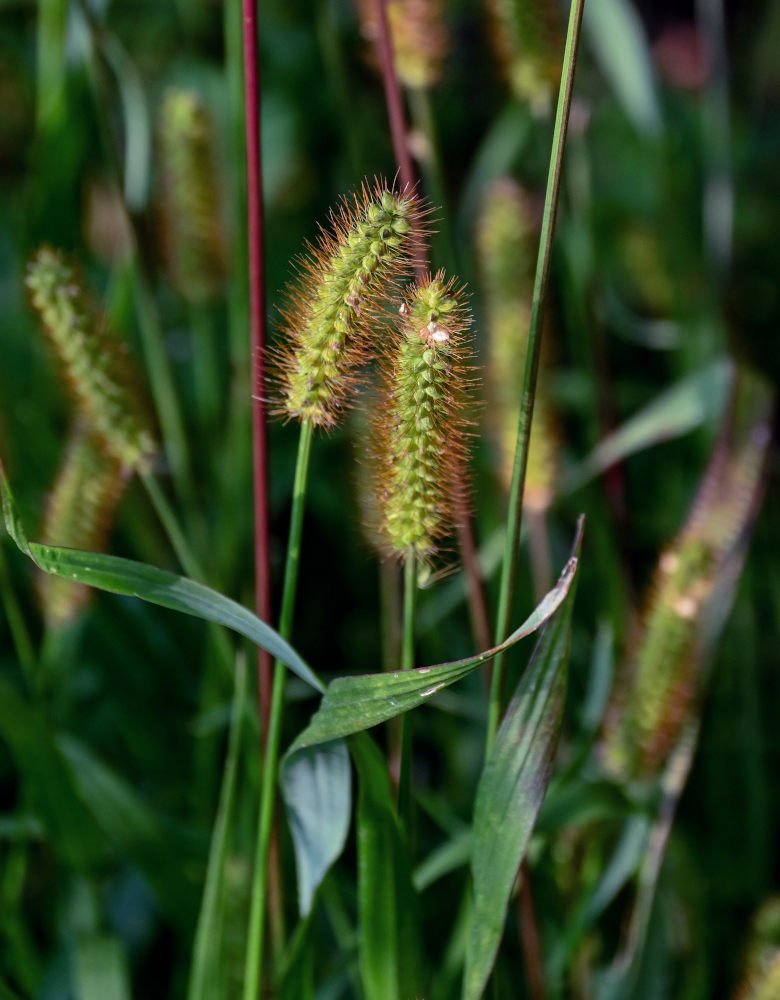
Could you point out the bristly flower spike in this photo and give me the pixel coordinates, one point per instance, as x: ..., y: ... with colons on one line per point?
x: 419, y: 36
x: 528, y: 35
x: 193, y: 231
x: 97, y: 363
x: 331, y: 316
x: 421, y: 421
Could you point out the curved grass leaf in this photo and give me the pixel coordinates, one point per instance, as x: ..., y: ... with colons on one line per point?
x: 352, y: 704
x: 135, y: 579
x: 389, y: 934
x: 621, y: 48
x: 696, y: 399
x: 511, y: 790
x: 317, y: 790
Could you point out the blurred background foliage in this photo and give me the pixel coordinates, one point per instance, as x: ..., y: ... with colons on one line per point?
x: 665, y: 264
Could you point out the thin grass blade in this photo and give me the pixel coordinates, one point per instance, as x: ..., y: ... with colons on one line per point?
x: 389, y: 937
x: 135, y: 579
x: 352, y: 704
x: 511, y: 790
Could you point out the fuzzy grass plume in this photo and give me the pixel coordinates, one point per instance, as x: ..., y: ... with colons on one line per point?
x: 193, y: 234
x: 79, y: 514
x: 528, y: 36
x: 691, y: 594
x: 330, y: 319
x: 506, y: 237
x: 420, y: 424
x: 419, y: 37
x: 96, y: 363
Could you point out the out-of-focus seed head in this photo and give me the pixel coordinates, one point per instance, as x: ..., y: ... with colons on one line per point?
x: 96, y: 363
x: 190, y: 204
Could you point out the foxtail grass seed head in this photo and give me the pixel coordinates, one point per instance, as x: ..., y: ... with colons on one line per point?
x: 330, y: 319
x: 528, y: 36
x: 661, y: 684
x: 506, y: 239
x: 420, y: 426
x: 79, y: 513
x: 97, y: 364
x: 193, y: 231
x: 419, y: 36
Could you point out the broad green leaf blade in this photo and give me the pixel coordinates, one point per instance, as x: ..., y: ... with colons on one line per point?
x: 100, y: 970
x: 317, y: 790
x: 510, y: 793
x: 352, y: 704
x: 387, y: 903
x: 621, y: 48
x: 695, y: 400
x: 135, y: 579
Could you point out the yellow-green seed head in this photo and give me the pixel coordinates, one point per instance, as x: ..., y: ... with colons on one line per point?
x: 420, y: 427
x: 528, y: 36
x: 661, y: 683
x: 419, y: 38
x: 79, y: 514
x: 96, y: 363
x: 506, y: 238
x: 329, y: 323
x: 193, y: 232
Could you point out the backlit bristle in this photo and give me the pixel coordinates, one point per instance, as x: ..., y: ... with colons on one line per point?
x: 420, y: 424
x: 97, y: 364
x: 330, y: 320
x: 194, y: 238
x: 79, y: 514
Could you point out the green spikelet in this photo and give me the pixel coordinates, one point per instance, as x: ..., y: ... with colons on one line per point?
x: 691, y: 594
x: 529, y: 37
x: 97, y: 364
x: 79, y: 513
x: 329, y: 320
x: 506, y: 238
x: 420, y: 423
x: 419, y: 36
x: 192, y: 228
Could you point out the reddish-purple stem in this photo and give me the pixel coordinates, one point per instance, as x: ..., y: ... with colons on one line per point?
x: 393, y: 99
x: 257, y: 341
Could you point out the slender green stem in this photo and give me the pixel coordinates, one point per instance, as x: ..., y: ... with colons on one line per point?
x: 206, y: 936
x: 184, y: 554
x: 205, y: 366
x: 16, y: 623
x: 410, y: 603
x: 407, y: 662
x: 254, y: 952
x: 514, y: 516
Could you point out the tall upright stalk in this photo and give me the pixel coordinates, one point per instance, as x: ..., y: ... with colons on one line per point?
x: 257, y: 342
x: 254, y: 952
x: 515, y: 512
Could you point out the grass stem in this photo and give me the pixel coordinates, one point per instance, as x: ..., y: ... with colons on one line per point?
x: 254, y: 953
x: 514, y: 515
